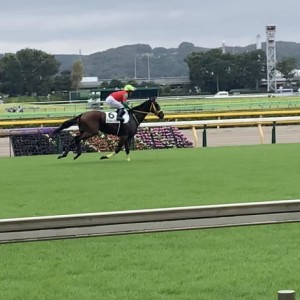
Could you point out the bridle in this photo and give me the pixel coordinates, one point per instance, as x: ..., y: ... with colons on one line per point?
x: 152, y: 110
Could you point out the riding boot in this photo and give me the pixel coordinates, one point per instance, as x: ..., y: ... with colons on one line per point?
x: 120, y: 113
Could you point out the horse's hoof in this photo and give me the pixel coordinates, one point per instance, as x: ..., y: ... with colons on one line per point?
x: 77, y: 155
x: 60, y: 156
x: 104, y: 157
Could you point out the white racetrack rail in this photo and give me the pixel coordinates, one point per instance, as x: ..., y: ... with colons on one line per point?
x: 146, y: 221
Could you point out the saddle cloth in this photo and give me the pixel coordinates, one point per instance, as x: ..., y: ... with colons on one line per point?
x: 111, y: 117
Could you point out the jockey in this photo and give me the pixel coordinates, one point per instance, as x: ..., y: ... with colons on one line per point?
x: 118, y: 100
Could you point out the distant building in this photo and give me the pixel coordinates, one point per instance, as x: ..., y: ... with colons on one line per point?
x: 89, y: 83
x: 94, y: 83
x: 281, y: 81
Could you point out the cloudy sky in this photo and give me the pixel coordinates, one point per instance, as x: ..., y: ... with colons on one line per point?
x: 89, y: 26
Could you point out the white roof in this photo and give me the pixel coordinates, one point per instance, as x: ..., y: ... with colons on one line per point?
x: 89, y: 79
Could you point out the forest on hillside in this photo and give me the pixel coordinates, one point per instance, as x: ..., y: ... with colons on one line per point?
x: 137, y: 60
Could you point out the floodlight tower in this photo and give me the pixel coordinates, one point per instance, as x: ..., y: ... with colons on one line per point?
x: 258, y: 42
x: 223, y: 47
x: 271, y: 57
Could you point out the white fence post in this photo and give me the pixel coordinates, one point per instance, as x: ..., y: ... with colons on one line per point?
x: 286, y: 295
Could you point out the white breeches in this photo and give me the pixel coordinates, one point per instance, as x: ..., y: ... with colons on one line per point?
x: 113, y: 103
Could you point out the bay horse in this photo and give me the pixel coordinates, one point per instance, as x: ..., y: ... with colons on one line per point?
x: 91, y: 122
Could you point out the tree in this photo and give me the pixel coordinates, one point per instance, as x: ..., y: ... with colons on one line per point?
x: 104, y: 85
x: 209, y: 70
x: 12, y: 80
x: 257, y: 67
x: 196, y: 64
x: 62, y: 81
x: 213, y: 71
x: 287, y: 67
x: 116, y: 83
x: 248, y: 69
x: 218, y: 66
x: 76, y: 74
x: 38, y: 69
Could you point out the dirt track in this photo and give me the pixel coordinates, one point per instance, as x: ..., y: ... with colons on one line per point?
x: 4, y: 147
x: 246, y: 135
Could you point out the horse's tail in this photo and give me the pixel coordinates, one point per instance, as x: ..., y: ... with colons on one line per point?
x: 67, y: 124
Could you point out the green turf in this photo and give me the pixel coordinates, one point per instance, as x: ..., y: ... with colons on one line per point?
x: 229, y: 264
x: 43, y: 185
x: 41, y: 110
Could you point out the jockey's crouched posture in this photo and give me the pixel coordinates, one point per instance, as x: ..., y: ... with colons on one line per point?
x: 119, y: 99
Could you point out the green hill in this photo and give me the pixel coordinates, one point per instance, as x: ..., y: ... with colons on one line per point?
x: 130, y: 60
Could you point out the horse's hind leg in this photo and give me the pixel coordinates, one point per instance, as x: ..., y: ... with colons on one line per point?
x: 66, y: 151
x: 85, y: 135
x: 68, y: 148
x: 78, y: 146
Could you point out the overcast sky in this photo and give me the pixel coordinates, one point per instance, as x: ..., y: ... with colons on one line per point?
x: 68, y: 26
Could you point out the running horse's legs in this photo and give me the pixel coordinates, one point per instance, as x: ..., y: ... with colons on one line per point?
x: 123, y: 140
x: 127, y: 150
x: 66, y: 150
x: 76, y: 143
x: 83, y: 136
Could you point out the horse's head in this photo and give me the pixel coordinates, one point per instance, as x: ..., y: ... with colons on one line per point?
x: 155, y: 108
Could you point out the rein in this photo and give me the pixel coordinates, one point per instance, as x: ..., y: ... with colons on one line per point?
x: 151, y: 110
x: 146, y: 112
x: 133, y: 114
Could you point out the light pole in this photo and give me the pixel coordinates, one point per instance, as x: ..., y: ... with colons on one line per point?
x: 217, y: 79
x: 148, y: 56
x: 148, y: 64
x: 135, y: 66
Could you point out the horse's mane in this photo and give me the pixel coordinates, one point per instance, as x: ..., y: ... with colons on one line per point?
x: 142, y: 106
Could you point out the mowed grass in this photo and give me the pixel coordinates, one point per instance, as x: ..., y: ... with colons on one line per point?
x: 230, y: 263
x: 43, y: 185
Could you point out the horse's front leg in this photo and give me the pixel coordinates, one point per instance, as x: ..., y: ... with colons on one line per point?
x: 121, y: 143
